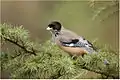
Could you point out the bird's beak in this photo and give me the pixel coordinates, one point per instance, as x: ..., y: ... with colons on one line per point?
x: 48, y: 28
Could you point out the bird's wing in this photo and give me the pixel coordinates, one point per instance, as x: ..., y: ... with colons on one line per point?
x: 70, y: 39
x: 72, y: 42
x: 79, y: 42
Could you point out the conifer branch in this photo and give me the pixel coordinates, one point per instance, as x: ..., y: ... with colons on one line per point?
x: 21, y: 46
x: 50, y: 63
x: 99, y: 72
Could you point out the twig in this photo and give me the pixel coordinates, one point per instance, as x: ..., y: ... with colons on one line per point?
x: 22, y: 47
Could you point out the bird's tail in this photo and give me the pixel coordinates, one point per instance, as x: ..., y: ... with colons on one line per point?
x: 91, y: 50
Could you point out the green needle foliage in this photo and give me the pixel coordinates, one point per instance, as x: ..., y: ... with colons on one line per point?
x: 46, y: 61
x: 103, y: 10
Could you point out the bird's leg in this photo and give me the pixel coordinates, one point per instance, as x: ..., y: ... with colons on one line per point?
x: 82, y: 55
x: 74, y: 57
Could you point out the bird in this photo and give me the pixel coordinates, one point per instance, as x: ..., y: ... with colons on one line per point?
x: 69, y: 41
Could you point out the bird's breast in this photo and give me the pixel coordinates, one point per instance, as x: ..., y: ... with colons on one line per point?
x: 73, y: 50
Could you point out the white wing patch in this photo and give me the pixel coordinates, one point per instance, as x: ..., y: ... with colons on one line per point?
x: 71, y: 44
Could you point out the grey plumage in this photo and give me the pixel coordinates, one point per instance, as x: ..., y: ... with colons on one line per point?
x: 68, y: 38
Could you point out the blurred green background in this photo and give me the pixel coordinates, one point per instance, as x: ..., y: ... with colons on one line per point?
x: 91, y: 19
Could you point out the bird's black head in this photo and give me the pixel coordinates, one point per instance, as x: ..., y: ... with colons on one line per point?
x: 55, y: 25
